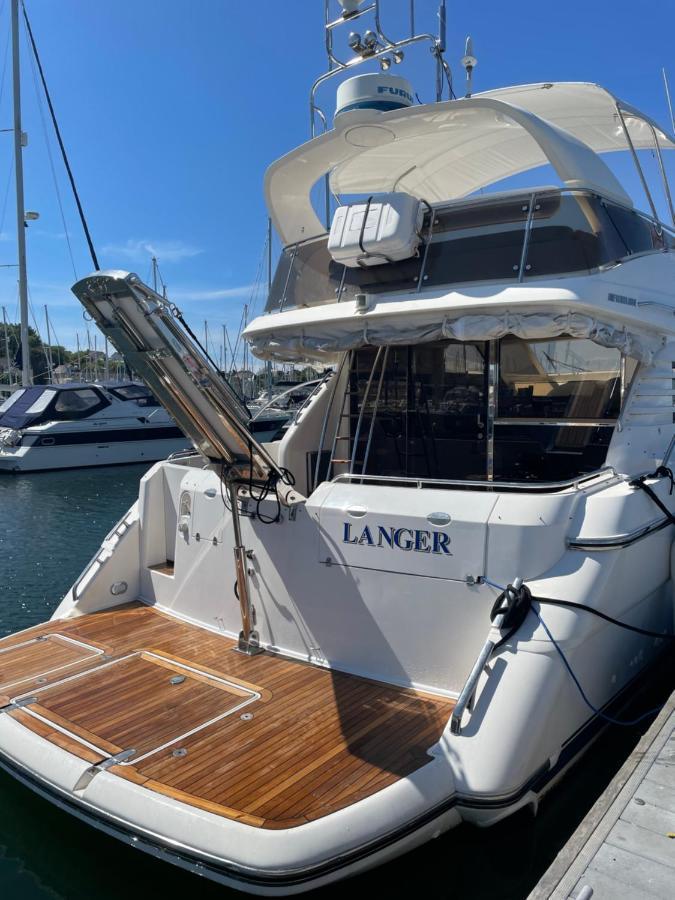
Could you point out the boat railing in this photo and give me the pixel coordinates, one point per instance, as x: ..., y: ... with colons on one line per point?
x: 377, y: 45
x: 606, y: 473
x: 540, y: 233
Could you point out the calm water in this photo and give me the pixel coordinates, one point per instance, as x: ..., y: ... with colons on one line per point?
x: 50, y: 525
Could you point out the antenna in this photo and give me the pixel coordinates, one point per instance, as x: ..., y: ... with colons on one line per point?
x: 670, y: 105
x: 469, y: 62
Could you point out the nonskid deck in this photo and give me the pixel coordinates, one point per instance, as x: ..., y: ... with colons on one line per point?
x: 265, y: 740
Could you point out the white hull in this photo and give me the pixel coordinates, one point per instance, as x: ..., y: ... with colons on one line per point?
x: 43, y: 459
x: 527, y: 726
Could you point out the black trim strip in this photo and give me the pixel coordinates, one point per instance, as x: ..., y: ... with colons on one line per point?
x: 109, y: 436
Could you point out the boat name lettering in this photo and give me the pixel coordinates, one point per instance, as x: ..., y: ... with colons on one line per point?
x: 397, y: 92
x: 398, y: 538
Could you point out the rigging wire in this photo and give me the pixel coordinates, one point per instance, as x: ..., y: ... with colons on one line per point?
x: 40, y: 106
x: 253, y: 297
x: 57, y: 131
x: 5, y: 57
x: 2, y: 91
x: 37, y: 332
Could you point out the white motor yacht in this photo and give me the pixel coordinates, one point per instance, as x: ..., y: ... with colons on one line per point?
x: 66, y: 426
x: 295, y: 661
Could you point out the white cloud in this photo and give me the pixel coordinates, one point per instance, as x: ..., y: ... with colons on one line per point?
x: 141, y: 250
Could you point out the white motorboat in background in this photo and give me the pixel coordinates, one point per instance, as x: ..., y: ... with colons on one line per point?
x: 68, y: 426
x: 271, y: 415
x: 295, y: 661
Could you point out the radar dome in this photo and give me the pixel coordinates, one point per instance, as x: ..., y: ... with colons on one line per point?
x: 375, y: 91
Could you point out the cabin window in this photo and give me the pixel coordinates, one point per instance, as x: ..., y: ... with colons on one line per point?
x: 76, y: 404
x: 509, y: 410
x: 137, y: 392
x: 557, y: 404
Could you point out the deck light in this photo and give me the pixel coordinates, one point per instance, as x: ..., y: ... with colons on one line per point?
x: 385, y: 63
x: 370, y: 40
x: 398, y: 56
x: 354, y: 41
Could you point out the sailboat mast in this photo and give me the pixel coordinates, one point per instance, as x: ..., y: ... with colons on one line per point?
x: 50, y: 361
x: 9, y: 364
x: 26, y: 378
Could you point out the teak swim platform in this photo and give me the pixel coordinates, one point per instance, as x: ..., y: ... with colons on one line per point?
x: 266, y: 740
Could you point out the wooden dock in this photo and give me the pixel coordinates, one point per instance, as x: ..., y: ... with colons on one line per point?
x: 625, y: 847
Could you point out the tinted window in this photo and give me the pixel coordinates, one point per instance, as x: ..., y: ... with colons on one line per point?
x: 78, y: 403
x: 421, y: 411
x: 548, y: 452
x: 558, y: 379
x: 430, y: 419
x: 478, y: 241
x: 637, y: 234
x: 130, y: 392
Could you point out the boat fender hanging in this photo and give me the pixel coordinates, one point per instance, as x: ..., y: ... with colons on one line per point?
x: 513, y: 604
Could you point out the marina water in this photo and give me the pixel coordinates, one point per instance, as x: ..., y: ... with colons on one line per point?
x: 51, y: 524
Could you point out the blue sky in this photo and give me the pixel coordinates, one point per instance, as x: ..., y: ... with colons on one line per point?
x: 171, y: 111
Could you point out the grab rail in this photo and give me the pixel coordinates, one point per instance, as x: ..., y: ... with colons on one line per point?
x: 541, y: 486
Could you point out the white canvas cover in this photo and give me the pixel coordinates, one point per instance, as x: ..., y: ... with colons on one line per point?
x: 442, y: 151
x: 325, y: 340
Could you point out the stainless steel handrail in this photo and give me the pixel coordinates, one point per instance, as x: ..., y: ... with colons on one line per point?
x: 526, y: 237
x: 364, y: 401
x: 366, y: 454
x: 614, y: 541
x: 605, y: 472
x: 337, y: 375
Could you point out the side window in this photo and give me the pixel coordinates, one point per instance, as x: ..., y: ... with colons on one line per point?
x: 558, y: 379
x: 77, y: 404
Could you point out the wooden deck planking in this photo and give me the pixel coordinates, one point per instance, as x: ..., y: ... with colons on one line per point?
x: 40, y: 656
x: 318, y: 740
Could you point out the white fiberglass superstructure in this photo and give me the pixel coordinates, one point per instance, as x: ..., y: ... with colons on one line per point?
x: 341, y: 687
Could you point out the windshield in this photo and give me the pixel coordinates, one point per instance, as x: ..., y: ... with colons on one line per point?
x: 484, y: 239
x: 39, y: 404
x: 137, y: 392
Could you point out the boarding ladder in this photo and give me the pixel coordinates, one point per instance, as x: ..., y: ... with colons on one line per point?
x: 354, y: 427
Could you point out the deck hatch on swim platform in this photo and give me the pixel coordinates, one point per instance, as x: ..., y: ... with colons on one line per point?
x: 145, y: 701
x: 41, y: 657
